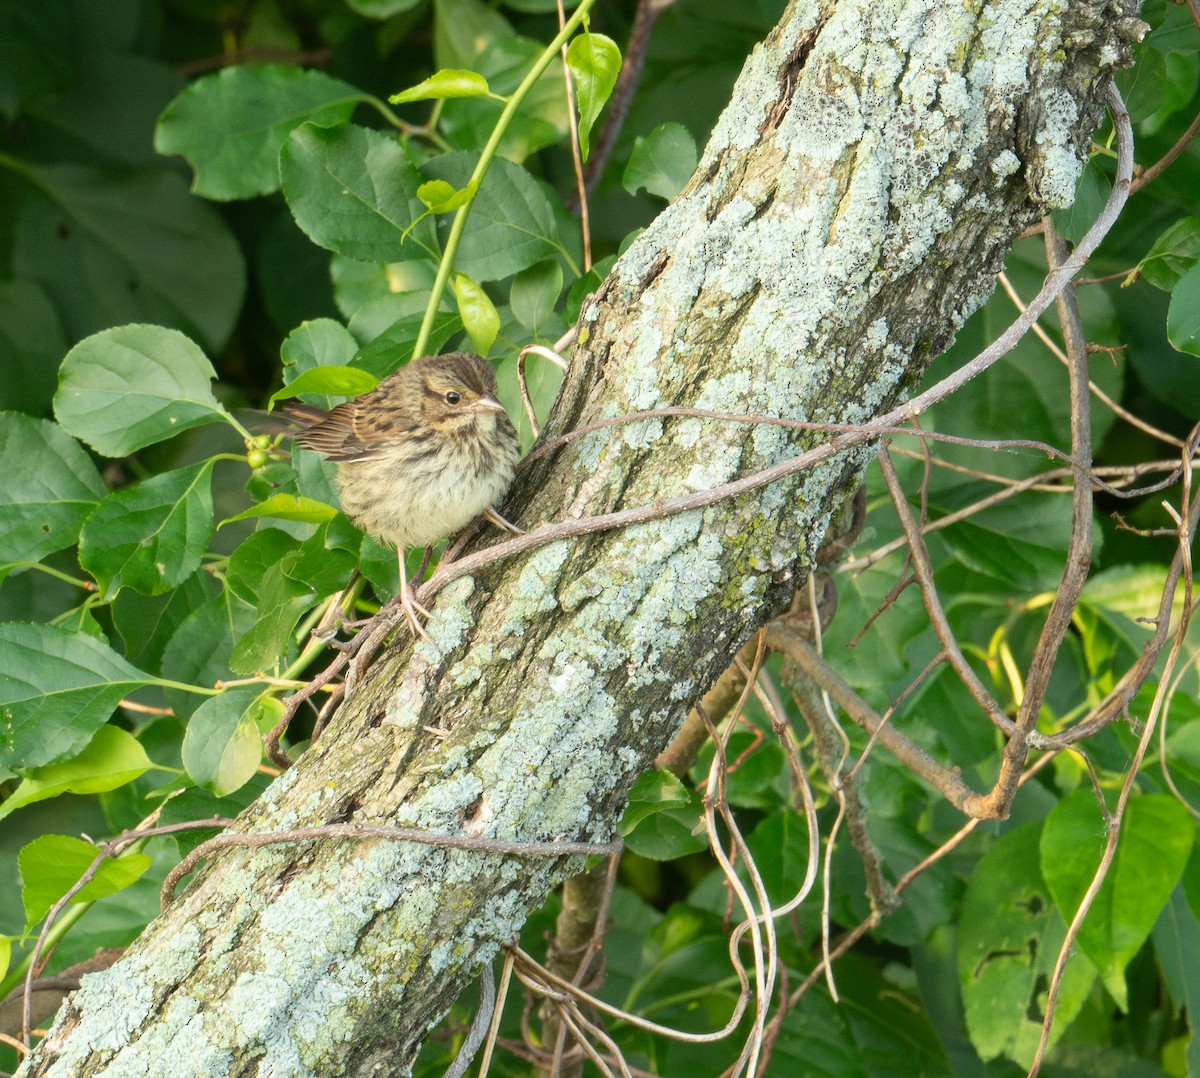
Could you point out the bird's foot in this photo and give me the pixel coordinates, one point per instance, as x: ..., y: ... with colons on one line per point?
x: 491, y: 515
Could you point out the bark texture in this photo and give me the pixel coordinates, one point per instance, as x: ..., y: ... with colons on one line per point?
x: 853, y: 206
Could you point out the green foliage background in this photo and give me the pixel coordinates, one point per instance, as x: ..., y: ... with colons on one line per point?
x: 195, y: 189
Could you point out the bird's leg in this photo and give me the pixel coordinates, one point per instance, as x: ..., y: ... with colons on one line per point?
x: 408, y: 597
x: 491, y: 515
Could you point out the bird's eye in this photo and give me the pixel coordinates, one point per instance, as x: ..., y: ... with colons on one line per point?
x: 452, y: 397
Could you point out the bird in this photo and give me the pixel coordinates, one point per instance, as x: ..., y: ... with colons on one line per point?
x: 418, y: 457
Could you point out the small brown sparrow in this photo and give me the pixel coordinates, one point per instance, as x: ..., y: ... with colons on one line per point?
x: 420, y: 456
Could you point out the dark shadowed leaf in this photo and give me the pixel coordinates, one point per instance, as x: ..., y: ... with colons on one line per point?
x: 113, y: 247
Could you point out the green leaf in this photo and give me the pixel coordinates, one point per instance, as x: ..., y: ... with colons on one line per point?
x: 129, y: 247
x: 152, y: 535
x: 52, y: 864
x: 382, y: 9
x: 253, y: 557
x: 394, y: 346
x: 43, y: 503
x: 660, y: 821
x: 354, y: 191
x: 534, y: 293
x: 542, y: 119
x: 1183, y: 317
x: 595, y: 62
x: 479, y: 316
x: 332, y: 381
x: 198, y: 653
x: 1156, y: 839
x: 32, y: 344
x: 442, y: 84
x: 60, y: 688
x: 1175, y: 252
x: 1091, y: 193
x: 112, y: 758
x: 440, y: 197
x: 512, y: 223
x: 288, y: 507
x: 662, y: 162
x: 290, y: 587
x: 230, y: 125
x: 462, y: 28
x: 222, y: 747
x: 128, y: 387
x: 1009, y: 935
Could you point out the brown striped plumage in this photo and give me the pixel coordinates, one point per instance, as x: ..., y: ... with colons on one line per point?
x: 422, y: 454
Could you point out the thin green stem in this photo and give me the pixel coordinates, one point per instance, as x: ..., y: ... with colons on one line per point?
x: 446, y: 265
x: 427, y: 132
x: 58, y: 574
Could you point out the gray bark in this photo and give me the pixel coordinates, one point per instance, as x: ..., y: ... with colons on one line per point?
x: 851, y: 209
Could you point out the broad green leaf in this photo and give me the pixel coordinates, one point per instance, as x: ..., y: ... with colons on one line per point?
x: 442, y: 84
x: 1156, y: 838
x: 59, y: 688
x: 595, y: 62
x: 198, y: 653
x: 1009, y: 935
x: 780, y: 847
x: 331, y: 381
x: 146, y: 623
x: 535, y: 292
x: 1176, y: 943
x: 290, y: 587
x: 478, y: 313
x: 32, y: 344
x: 112, y: 758
x: 288, y: 507
x: 52, y: 864
x: 253, y: 557
x: 440, y: 197
x: 394, y: 346
x: 152, y: 535
x: 115, y: 99
x: 43, y: 503
x: 542, y: 380
x: 321, y: 342
x: 230, y: 125
x: 1091, y: 193
x: 461, y: 30
x: 511, y: 225
x: 222, y: 747
x: 1183, y: 317
x: 131, y: 246
x: 542, y: 119
x: 662, y: 162
x: 197, y: 804
x: 382, y: 9
x: 354, y: 191
x: 660, y: 821
x: 1175, y: 252
x: 128, y: 387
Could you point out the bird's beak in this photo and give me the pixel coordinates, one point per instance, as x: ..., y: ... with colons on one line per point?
x: 487, y: 404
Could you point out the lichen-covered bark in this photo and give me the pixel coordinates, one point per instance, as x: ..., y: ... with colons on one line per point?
x: 853, y: 206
